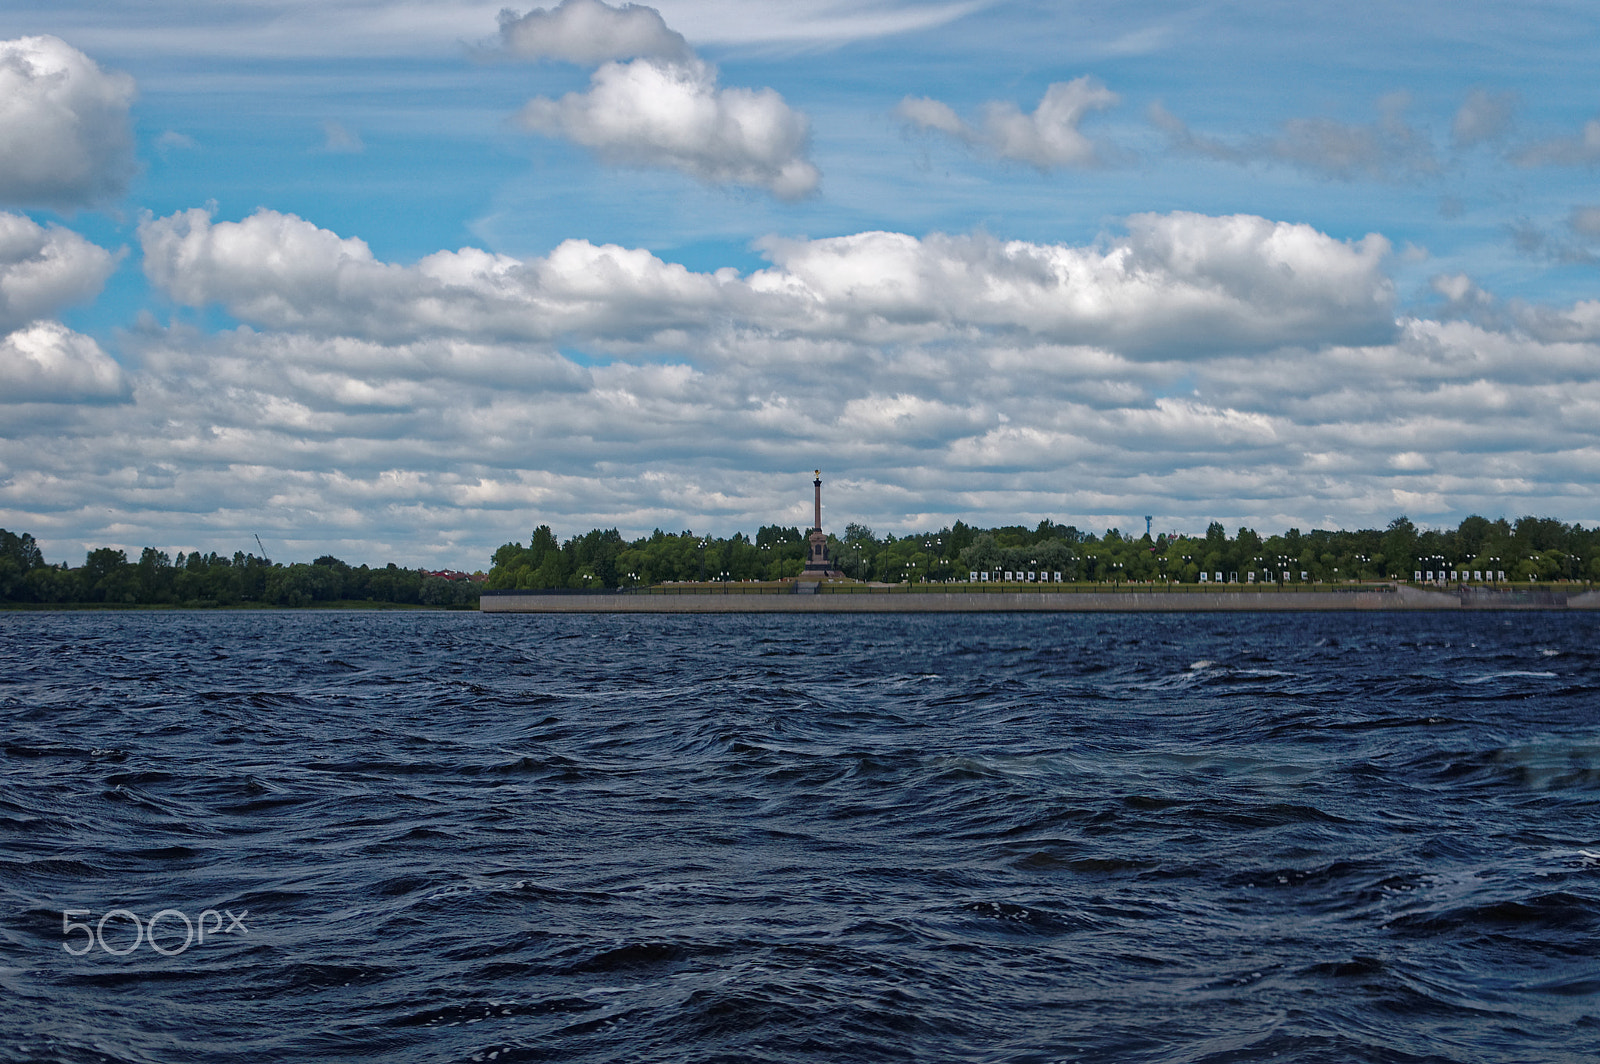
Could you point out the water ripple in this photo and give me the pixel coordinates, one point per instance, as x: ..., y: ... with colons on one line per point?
x: 773, y: 838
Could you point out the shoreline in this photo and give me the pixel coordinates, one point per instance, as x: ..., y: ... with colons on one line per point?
x: 1389, y: 598
x: 359, y: 606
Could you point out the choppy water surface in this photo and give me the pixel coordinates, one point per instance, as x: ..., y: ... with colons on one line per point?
x: 752, y: 838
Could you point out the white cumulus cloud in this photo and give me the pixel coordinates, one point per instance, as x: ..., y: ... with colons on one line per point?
x: 662, y: 108
x: 44, y: 268
x: 48, y: 363
x: 1172, y: 286
x: 1049, y: 137
x: 64, y: 131
x: 282, y: 272
x: 649, y: 113
x: 1175, y: 285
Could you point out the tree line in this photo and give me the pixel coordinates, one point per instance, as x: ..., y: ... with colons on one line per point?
x: 1530, y: 548
x: 108, y: 577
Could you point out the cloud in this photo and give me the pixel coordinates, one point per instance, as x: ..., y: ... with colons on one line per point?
x: 1048, y: 138
x: 1186, y: 140
x: 277, y: 29
x: 1582, y: 149
x: 64, y: 132
x: 1390, y: 149
x: 1578, y: 323
x: 1198, y: 367
x: 1529, y: 238
x: 279, y: 271
x: 813, y: 22
x: 1465, y: 300
x: 43, y: 269
x: 1173, y: 286
x: 588, y: 32
x: 340, y: 139
x: 368, y: 440
x: 172, y: 141
x: 48, y: 363
x: 1585, y: 221
x: 664, y: 107
x: 1482, y: 117
x: 424, y: 411
x: 648, y: 113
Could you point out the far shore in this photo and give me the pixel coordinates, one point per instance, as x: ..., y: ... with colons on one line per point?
x: 1143, y: 599
x: 209, y: 607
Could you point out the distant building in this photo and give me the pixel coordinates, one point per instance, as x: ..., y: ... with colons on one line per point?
x: 456, y: 574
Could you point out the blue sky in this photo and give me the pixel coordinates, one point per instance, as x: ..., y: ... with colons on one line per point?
x: 402, y: 280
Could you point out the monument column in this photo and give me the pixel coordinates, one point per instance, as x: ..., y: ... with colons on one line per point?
x: 817, y: 564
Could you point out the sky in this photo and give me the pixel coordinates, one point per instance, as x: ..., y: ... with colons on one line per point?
x: 400, y: 281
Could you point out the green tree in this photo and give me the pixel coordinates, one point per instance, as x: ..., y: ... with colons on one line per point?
x: 19, y: 556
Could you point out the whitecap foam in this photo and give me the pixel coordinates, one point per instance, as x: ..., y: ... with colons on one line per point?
x: 1510, y: 674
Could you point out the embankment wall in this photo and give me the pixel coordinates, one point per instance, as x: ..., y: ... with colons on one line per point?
x: 1400, y: 598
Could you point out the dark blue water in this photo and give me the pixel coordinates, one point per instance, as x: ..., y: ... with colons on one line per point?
x: 745, y: 838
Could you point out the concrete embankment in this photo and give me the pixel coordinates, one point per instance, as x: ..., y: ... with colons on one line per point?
x: 899, y: 601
